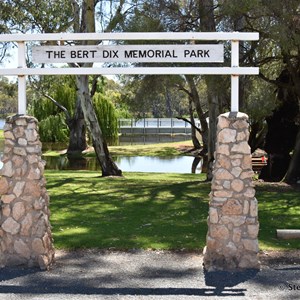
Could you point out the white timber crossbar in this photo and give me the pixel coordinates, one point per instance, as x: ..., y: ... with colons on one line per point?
x: 22, y: 71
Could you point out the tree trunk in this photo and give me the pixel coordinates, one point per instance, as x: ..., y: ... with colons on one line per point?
x: 257, y: 135
x: 213, y: 104
x: 201, y: 115
x: 195, y: 164
x: 293, y: 173
x: 207, y: 24
x: 282, y: 133
x: 108, y: 167
x: 77, y: 127
x: 195, y: 141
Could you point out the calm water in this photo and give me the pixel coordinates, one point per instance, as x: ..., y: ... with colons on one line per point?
x: 182, y: 164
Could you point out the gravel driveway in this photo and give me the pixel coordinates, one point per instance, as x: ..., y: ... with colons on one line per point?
x: 147, y: 275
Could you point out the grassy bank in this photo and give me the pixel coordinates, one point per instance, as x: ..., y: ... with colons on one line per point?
x: 161, y: 149
x: 157, y: 211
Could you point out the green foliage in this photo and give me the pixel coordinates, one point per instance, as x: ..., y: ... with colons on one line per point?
x: 8, y: 97
x: 38, y: 15
x: 53, y: 129
x: 156, y: 96
x: 260, y: 100
x: 118, y: 96
x: 52, y: 120
x: 107, y: 117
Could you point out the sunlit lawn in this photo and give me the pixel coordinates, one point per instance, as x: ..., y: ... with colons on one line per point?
x: 151, y: 211
x: 161, y: 149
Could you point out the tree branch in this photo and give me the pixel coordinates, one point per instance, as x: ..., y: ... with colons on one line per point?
x: 188, y: 121
x: 94, y: 85
x: 59, y: 106
x: 182, y: 88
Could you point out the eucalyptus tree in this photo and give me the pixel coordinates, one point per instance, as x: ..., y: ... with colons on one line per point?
x: 181, y: 16
x: 85, y: 22
x: 277, y: 54
x: 69, y: 16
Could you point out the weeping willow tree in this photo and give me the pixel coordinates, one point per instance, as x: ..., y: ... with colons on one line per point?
x: 53, y: 120
x: 107, y: 117
x: 55, y: 112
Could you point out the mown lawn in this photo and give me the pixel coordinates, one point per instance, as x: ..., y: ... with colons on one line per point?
x: 152, y: 211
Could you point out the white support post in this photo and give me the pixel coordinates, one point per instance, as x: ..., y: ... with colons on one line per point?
x: 234, y: 77
x: 21, y: 79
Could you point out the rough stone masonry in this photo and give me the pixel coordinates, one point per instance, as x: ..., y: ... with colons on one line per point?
x: 25, y: 232
x: 233, y: 220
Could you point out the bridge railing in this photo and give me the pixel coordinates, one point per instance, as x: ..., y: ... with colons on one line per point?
x: 155, y: 123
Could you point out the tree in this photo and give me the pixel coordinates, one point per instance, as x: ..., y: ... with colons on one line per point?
x: 8, y: 97
x: 77, y: 16
x: 195, y: 16
x: 157, y: 15
x: 107, y: 117
x: 277, y: 55
x: 86, y: 23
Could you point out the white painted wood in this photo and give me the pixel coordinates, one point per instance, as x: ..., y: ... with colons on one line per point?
x: 132, y: 71
x: 234, y: 70
x: 234, y: 93
x: 129, y: 53
x: 234, y: 53
x: 22, y: 103
x: 212, y: 36
x: 287, y: 234
x: 234, y: 78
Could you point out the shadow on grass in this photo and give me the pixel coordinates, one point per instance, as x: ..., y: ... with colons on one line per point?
x: 157, y: 211
x: 153, y: 211
x: 279, y: 208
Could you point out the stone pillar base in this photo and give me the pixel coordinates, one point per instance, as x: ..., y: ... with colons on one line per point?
x: 232, y: 242
x: 25, y: 232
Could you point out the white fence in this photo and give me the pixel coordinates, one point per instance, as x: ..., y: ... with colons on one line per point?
x: 151, y: 126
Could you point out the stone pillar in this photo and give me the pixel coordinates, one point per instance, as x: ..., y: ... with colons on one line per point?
x: 25, y: 232
x: 231, y: 242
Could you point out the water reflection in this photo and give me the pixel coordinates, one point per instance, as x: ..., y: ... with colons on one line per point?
x: 181, y: 164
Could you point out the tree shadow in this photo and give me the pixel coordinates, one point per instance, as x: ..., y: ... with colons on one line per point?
x: 65, y: 280
x: 222, y: 280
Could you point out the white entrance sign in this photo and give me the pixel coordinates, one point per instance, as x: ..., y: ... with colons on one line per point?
x: 137, y: 53
x: 129, y: 53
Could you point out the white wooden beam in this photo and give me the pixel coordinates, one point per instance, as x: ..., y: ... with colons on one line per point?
x: 217, y: 36
x: 234, y: 77
x: 132, y: 71
x: 22, y: 103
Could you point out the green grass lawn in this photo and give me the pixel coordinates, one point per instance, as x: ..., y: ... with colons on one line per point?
x: 162, y: 149
x: 152, y: 211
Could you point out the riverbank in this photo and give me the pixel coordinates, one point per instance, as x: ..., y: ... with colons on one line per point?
x: 160, y: 149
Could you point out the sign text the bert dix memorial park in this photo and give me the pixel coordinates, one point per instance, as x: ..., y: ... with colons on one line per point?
x: 191, y: 54
x: 129, y: 53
